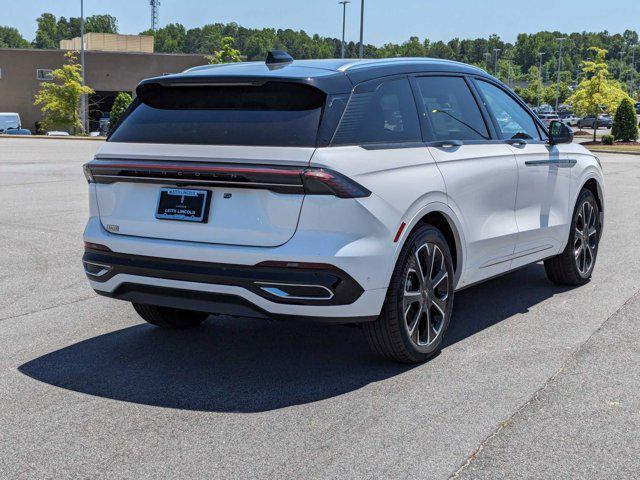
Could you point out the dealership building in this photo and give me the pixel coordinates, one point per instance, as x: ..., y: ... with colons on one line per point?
x: 113, y: 63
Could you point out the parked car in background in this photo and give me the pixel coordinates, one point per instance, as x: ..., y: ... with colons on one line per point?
x: 547, y: 118
x: 17, y: 131
x: 55, y: 133
x: 638, y: 108
x: 9, y: 120
x: 603, y: 121
x: 568, y: 118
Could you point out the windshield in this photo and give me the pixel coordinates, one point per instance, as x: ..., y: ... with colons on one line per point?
x: 271, y: 114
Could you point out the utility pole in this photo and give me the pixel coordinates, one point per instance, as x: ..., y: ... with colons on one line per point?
x: 83, y: 97
x: 486, y: 61
x: 540, y: 75
x: 495, y: 61
x: 361, y: 49
x: 560, y: 40
x: 344, y: 16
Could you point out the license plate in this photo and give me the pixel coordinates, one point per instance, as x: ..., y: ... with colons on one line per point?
x: 184, y: 205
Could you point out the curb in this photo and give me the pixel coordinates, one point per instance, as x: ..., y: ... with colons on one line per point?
x: 614, y: 152
x: 52, y: 137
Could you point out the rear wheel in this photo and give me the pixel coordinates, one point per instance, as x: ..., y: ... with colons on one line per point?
x: 419, y: 300
x: 166, y: 317
x: 575, y: 264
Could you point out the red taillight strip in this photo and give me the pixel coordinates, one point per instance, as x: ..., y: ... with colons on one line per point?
x: 196, y: 168
x: 299, y: 180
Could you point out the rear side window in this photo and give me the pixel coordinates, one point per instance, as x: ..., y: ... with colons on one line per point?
x: 451, y: 108
x: 514, y: 122
x: 386, y: 115
x: 272, y: 114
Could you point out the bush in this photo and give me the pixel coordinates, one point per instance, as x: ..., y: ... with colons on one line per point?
x: 625, y: 123
x: 608, y: 139
x: 120, y: 104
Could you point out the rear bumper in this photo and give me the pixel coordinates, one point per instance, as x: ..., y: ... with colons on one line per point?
x: 226, y: 279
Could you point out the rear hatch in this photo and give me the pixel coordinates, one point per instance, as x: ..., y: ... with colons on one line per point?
x: 210, y: 163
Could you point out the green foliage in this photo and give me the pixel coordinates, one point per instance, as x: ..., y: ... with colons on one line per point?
x: 608, y: 139
x: 60, y: 98
x: 598, y: 92
x: 10, y: 38
x: 120, y: 104
x: 226, y: 54
x: 625, y: 122
x: 50, y: 31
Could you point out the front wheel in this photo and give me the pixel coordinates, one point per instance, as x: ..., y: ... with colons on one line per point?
x: 575, y: 264
x: 171, y: 318
x: 419, y: 301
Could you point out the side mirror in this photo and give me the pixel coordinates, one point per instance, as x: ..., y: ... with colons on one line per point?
x: 559, y: 133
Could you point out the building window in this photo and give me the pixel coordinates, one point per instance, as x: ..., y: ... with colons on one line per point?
x: 0, y: 73
x: 44, y: 74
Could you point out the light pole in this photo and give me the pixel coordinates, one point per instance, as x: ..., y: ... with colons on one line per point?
x: 632, y: 80
x: 540, y: 75
x: 83, y: 99
x: 495, y: 61
x: 621, y: 67
x: 361, y: 48
x: 344, y: 16
x: 560, y: 40
x: 486, y: 61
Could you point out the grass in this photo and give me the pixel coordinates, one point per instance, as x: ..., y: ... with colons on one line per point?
x: 615, y: 148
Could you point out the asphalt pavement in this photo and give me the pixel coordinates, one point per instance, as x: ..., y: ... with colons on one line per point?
x: 534, y: 380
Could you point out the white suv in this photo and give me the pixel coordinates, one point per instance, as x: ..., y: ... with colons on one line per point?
x: 338, y: 190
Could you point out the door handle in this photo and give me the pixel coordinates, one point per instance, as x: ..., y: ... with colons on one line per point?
x: 446, y: 143
x: 568, y: 163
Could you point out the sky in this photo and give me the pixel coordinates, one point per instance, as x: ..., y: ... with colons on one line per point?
x: 385, y: 20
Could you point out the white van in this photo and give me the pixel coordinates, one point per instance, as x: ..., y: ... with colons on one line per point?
x: 9, y: 120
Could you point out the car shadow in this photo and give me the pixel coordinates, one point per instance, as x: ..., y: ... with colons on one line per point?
x: 245, y: 365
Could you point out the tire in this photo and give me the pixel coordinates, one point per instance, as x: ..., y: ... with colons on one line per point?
x: 172, y: 318
x: 574, y: 266
x: 391, y: 335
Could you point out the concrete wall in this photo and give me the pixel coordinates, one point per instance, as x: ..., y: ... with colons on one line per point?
x: 105, y: 71
x: 109, y: 42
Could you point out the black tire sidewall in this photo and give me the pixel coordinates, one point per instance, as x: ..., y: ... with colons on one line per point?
x: 422, y: 235
x: 586, y: 195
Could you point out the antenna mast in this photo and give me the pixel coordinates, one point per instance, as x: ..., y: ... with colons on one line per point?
x: 155, y: 10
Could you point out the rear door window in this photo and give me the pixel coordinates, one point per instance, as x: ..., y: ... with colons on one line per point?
x: 514, y: 122
x: 271, y: 114
x: 451, y: 109
x: 385, y: 115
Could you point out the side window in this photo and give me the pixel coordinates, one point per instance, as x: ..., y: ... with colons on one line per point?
x: 513, y: 120
x: 386, y: 115
x: 451, y: 108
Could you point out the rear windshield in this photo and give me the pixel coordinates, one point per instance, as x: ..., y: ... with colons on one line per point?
x: 271, y: 114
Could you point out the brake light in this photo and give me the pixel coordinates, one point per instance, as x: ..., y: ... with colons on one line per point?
x: 319, y: 181
x: 281, y: 179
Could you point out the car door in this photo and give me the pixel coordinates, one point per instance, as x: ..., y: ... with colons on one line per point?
x: 542, y: 208
x: 480, y: 173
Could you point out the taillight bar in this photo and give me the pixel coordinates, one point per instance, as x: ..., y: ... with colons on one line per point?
x: 311, y: 181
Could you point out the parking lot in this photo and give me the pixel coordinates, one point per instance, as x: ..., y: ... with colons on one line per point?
x: 534, y: 380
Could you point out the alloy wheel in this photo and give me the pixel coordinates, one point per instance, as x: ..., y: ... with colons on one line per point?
x: 585, y: 238
x: 426, y: 295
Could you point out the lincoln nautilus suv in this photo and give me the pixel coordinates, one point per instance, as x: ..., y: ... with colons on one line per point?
x: 342, y: 191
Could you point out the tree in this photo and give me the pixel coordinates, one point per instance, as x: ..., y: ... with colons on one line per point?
x: 226, y: 54
x: 47, y: 32
x: 101, y: 24
x: 10, y: 38
x: 60, y: 99
x: 120, y: 104
x: 625, y: 122
x: 598, y: 91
